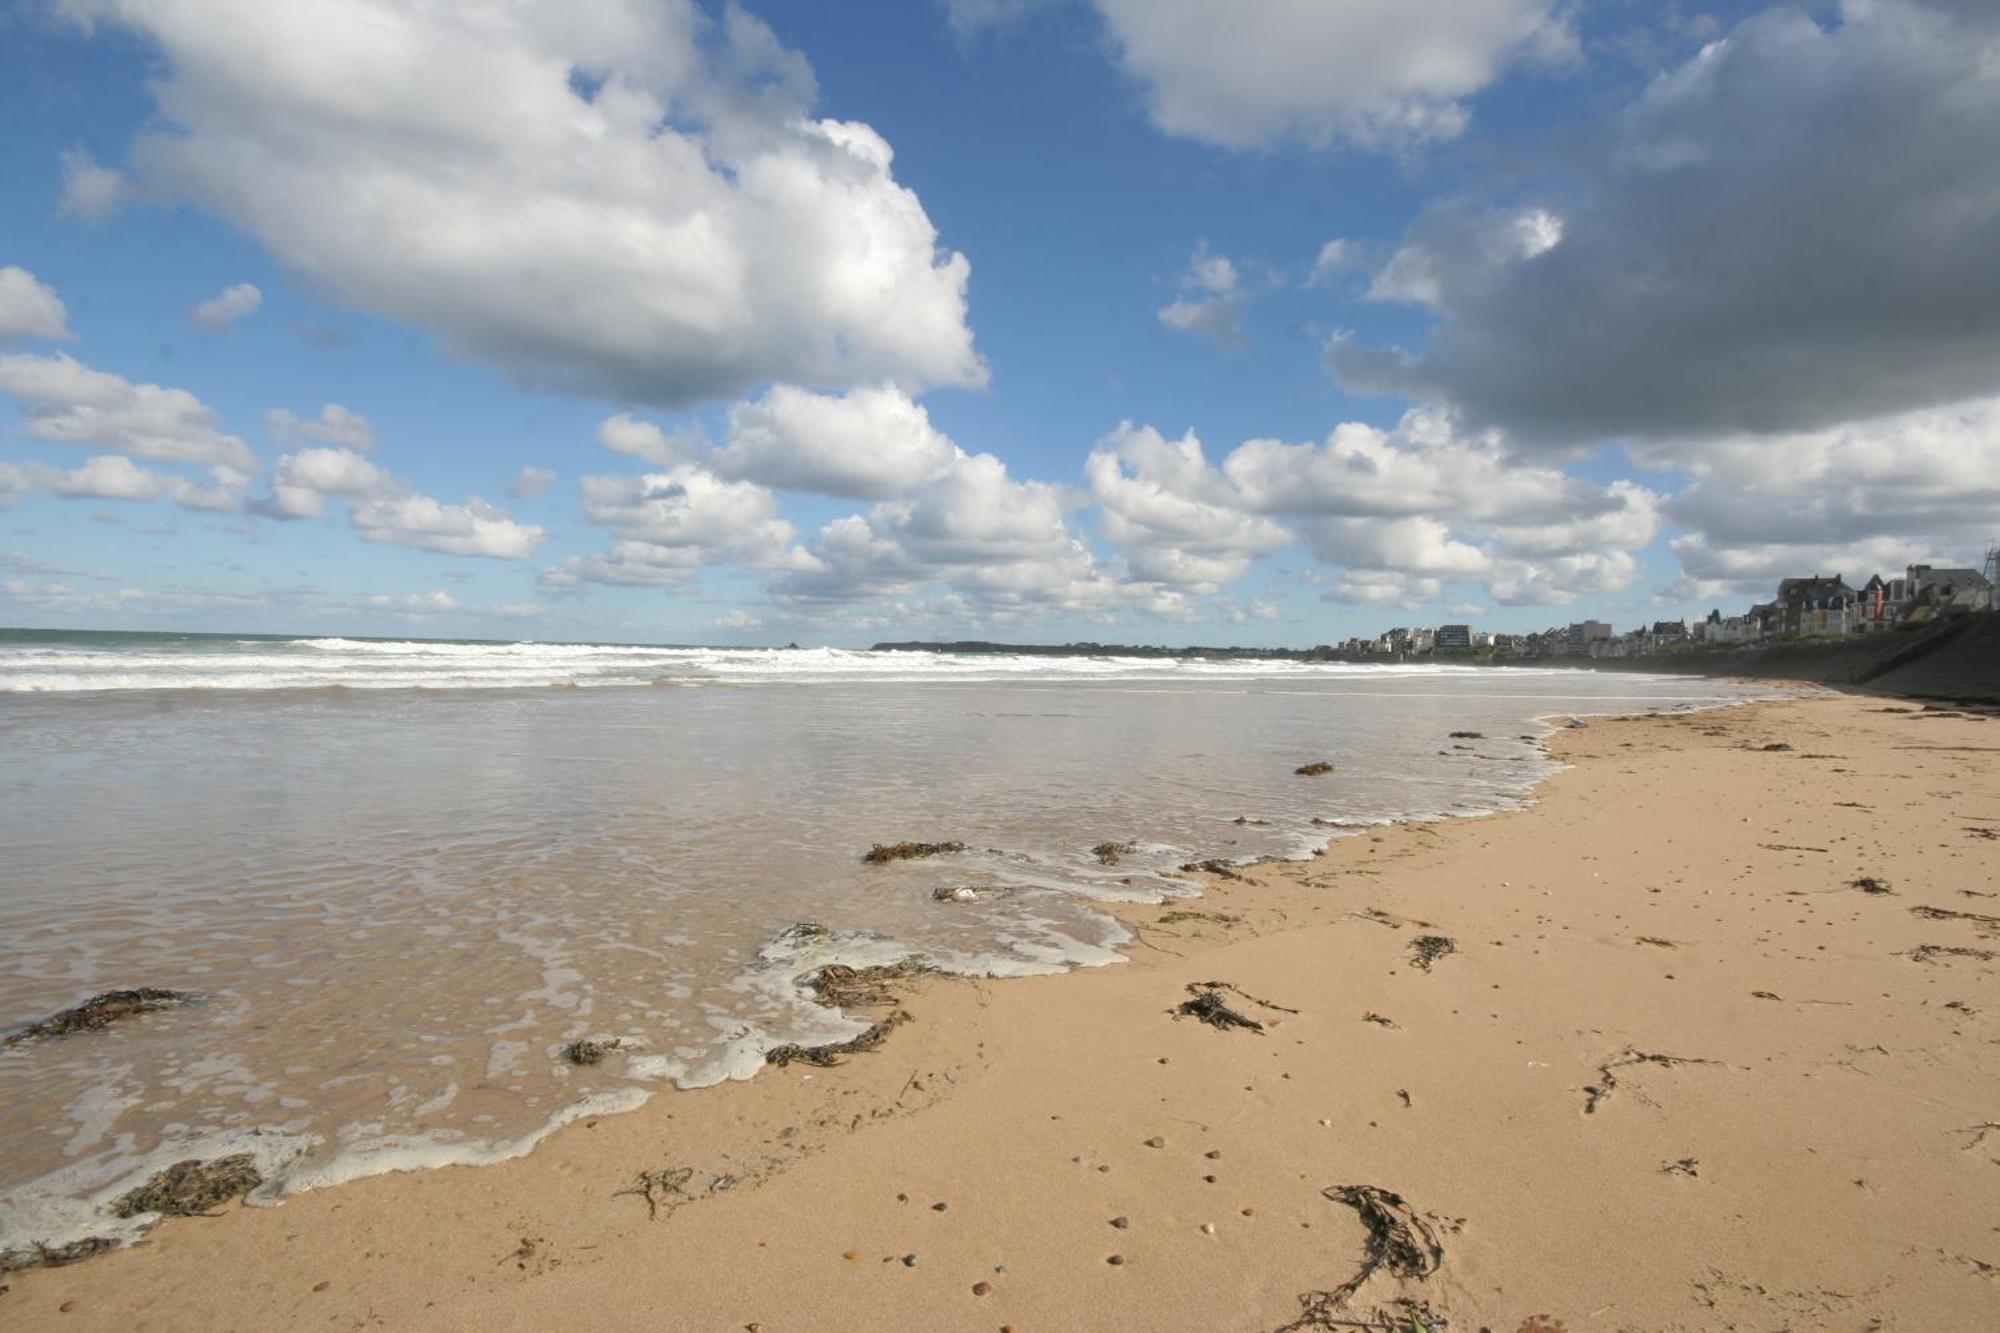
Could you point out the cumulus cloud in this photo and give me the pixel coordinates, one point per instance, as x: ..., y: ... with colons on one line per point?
x: 411, y: 606
x: 334, y: 425
x: 1337, y: 256
x: 30, y: 308
x: 1376, y: 73
x: 629, y: 199
x: 116, y: 477
x: 64, y: 401
x: 90, y: 191
x: 1793, y: 229
x: 220, y: 312
x: 1175, y: 519
x: 668, y: 525
x: 382, y: 508
x: 868, y: 444
x: 1210, y: 300
x: 627, y: 434
x: 531, y: 483
x: 1000, y: 548
x: 735, y: 620
x: 1864, y: 497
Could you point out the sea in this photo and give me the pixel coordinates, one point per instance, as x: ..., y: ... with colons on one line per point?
x: 403, y: 875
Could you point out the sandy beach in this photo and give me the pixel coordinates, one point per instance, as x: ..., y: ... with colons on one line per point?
x: 1712, y: 1045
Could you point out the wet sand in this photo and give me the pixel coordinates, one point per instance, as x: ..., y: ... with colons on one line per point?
x: 1676, y: 1073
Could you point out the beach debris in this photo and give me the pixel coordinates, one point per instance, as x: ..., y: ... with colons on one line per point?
x: 1655, y: 941
x: 192, y: 1188
x: 1924, y: 953
x: 1110, y: 853
x: 1378, y: 1019
x: 1315, y: 769
x: 830, y: 1053
x: 955, y: 893
x: 884, y: 852
x: 1982, y: 832
x: 1870, y: 884
x: 100, y: 1011
x: 1427, y: 949
x: 590, y: 1050
x: 1216, y: 866
x: 1607, y: 1080
x: 846, y: 987
x: 1685, y: 1166
x: 1773, y: 748
x: 38, y: 1255
x: 666, y: 1186
x: 1115, y: 1260
x: 1468, y: 735
x: 1180, y: 915
x: 1247, y: 821
x: 1986, y: 925
x: 1401, y: 1241
x: 1208, y: 1006
x: 981, y: 1288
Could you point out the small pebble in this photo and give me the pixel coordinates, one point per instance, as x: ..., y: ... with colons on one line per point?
x: 66, y: 1307
x: 909, y: 1261
x: 1105, y: 1169
x: 939, y: 1206
x: 851, y: 1254
x: 1115, y: 1260
x: 321, y: 1286
x: 1249, y: 1212
x: 1121, y: 1222
x: 1156, y: 1142
x: 981, y: 1288
x: 1209, y: 1179
x: 1212, y: 1154
x: 1208, y: 1228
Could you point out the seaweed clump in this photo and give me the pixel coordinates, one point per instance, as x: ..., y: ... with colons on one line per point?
x: 1400, y: 1240
x: 193, y: 1188
x: 55, y: 1256
x: 1468, y: 735
x: 1870, y: 884
x: 589, y: 1051
x: 100, y: 1011
x: 842, y: 987
x: 1110, y: 853
x: 1427, y: 949
x: 884, y: 852
x: 1209, y: 1006
x: 1314, y: 769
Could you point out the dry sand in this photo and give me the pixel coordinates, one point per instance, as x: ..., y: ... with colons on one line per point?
x: 1060, y: 1153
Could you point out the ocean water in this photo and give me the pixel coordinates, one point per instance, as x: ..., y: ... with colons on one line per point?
x: 404, y: 874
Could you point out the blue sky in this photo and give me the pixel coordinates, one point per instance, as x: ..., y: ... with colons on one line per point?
x: 618, y: 320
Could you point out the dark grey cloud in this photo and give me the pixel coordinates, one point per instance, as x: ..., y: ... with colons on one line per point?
x: 1796, y: 228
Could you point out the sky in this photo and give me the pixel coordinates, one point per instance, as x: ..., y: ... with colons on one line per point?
x: 1154, y: 321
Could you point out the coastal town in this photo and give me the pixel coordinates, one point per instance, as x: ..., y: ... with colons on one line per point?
x: 1812, y: 606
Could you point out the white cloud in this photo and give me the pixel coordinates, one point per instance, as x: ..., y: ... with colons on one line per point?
x: 1173, y: 517
x: 116, y: 477
x: 335, y: 425
x: 90, y: 191
x: 1377, y: 73
x: 517, y: 610
x: 531, y: 483
x: 627, y: 434
x: 670, y: 524
x: 219, y: 312
x: 735, y: 620
x: 68, y: 402
x: 1384, y: 587
x: 1792, y: 229
x: 631, y: 200
x: 474, y: 528
x: 30, y: 308
x: 411, y: 606
x: 1210, y: 300
x: 1335, y: 257
x: 867, y: 444
x: 381, y: 508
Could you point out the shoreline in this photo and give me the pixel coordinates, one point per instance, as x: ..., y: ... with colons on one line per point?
x: 973, y: 1103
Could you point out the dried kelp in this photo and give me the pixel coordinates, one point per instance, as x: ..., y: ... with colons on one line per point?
x: 1401, y: 1241
x: 1870, y: 884
x: 1607, y: 1080
x: 1208, y: 1005
x: 846, y: 987
x: 1110, y: 853
x: 1315, y: 769
x: 1216, y: 866
x: 665, y: 1187
x: 588, y: 1051
x: 1427, y: 949
x: 193, y: 1188
x: 1924, y: 953
x: 1985, y: 924
x: 1468, y: 735
x: 884, y: 852
x: 100, y: 1011
x: 830, y: 1053
x: 39, y: 1255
